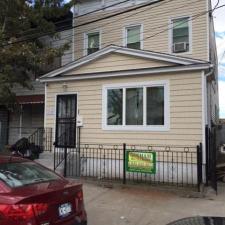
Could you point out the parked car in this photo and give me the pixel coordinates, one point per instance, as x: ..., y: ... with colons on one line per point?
x: 199, y: 220
x: 31, y: 194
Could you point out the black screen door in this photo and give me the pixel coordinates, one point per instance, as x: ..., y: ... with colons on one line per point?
x: 66, y: 114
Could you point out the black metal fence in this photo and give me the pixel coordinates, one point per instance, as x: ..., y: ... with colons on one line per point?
x: 42, y: 137
x: 174, y: 165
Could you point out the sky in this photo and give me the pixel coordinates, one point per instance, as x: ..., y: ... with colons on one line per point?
x: 219, y: 23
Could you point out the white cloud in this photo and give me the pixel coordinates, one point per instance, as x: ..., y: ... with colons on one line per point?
x: 222, y: 98
x: 219, y: 16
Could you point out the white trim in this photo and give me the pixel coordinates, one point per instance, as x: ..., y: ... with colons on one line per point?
x: 86, y: 40
x: 45, y: 106
x: 208, y: 30
x: 128, y: 73
x: 127, y: 51
x: 144, y: 127
x: 57, y: 94
x: 170, y: 35
x: 141, y: 34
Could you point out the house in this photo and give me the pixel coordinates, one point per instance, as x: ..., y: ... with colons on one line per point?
x: 144, y: 73
x: 28, y: 117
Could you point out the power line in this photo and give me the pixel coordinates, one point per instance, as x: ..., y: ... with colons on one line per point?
x: 92, y: 29
x: 151, y: 36
x: 145, y: 31
x: 76, y: 17
x: 87, y: 23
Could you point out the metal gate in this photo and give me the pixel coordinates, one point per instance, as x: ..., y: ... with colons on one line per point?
x: 211, y: 157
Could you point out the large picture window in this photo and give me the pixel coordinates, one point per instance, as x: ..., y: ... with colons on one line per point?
x: 136, y: 106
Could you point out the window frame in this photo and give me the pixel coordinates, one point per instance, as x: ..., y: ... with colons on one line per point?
x: 171, y: 34
x: 86, y: 40
x: 144, y: 127
x: 141, y: 35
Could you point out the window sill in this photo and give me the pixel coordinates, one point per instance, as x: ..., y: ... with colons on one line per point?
x: 136, y: 128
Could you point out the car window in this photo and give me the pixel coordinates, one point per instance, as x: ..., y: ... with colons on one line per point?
x: 17, y: 174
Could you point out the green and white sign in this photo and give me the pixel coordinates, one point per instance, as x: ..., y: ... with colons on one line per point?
x: 141, y: 162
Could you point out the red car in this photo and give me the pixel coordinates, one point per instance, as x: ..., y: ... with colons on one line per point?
x: 31, y: 194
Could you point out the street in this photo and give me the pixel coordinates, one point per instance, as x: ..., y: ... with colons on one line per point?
x: 135, y: 205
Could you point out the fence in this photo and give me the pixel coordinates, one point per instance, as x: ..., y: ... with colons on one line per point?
x: 174, y: 165
x: 42, y: 137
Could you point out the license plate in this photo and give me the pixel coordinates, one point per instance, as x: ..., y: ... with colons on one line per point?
x: 65, y: 209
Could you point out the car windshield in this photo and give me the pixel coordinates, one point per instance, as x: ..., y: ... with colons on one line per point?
x: 17, y: 174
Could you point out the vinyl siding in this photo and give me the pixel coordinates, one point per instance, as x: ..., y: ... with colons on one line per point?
x: 109, y: 62
x: 155, y: 24
x: 185, y: 110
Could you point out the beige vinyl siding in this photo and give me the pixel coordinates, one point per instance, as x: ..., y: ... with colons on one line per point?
x: 154, y: 21
x: 116, y: 61
x: 185, y: 110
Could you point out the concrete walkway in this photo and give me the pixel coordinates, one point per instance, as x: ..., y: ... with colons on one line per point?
x: 146, y: 205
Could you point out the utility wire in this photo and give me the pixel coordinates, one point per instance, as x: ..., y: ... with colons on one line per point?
x: 151, y: 36
x: 75, y: 17
x: 146, y: 31
x: 115, y: 28
x: 86, y: 23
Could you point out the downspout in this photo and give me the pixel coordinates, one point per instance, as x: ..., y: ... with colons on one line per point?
x: 205, y: 113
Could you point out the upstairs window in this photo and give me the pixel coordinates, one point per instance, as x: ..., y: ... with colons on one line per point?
x: 93, y: 42
x: 180, y: 35
x: 133, y: 37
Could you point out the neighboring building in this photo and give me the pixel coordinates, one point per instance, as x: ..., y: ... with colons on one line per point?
x: 29, y: 115
x: 146, y: 76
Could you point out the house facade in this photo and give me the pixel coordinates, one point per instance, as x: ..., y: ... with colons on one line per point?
x: 28, y: 116
x: 144, y: 73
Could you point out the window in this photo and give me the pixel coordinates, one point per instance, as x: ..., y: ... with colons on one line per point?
x: 18, y: 174
x: 136, y: 106
x: 92, y: 42
x: 133, y: 37
x: 181, y: 35
x: 115, y: 106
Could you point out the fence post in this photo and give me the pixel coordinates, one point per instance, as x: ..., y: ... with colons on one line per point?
x: 124, y: 163
x: 207, y: 154
x: 199, y: 165
x: 65, y: 161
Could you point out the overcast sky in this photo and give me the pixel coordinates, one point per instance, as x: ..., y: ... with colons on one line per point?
x: 219, y: 21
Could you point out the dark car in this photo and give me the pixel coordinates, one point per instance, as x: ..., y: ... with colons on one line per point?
x: 31, y: 194
x: 199, y: 220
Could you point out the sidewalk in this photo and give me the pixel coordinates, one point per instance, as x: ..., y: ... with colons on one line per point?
x: 144, y: 206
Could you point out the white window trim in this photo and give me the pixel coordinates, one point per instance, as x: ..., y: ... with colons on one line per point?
x: 86, y: 40
x: 145, y: 127
x: 141, y: 34
x: 171, y: 34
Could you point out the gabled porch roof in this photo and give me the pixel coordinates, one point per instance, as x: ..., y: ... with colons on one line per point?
x: 168, y: 62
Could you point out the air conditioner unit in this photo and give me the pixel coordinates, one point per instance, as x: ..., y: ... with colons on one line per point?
x: 180, y: 47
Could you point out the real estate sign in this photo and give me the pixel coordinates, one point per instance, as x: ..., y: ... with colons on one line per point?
x: 141, y: 161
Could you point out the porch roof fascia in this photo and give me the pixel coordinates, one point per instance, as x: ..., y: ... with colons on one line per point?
x: 147, y: 71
